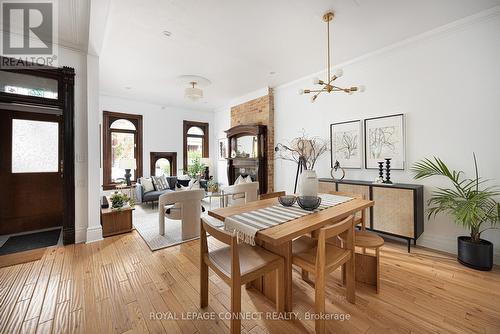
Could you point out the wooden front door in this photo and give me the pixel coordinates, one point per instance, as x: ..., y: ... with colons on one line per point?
x: 31, y: 171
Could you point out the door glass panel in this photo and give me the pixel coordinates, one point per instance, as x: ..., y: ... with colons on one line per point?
x: 162, y: 167
x: 35, y: 146
x: 122, y: 147
x: 29, y: 85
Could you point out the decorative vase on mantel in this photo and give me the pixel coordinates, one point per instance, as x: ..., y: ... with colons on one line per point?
x: 308, y: 183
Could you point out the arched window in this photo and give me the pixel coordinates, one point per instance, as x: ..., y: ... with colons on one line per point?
x: 163, y: 163
x: 122, y: 124
x: 122, y: 139
x: 194, y: 130
x: 162, y: 167
x: 195, y: 142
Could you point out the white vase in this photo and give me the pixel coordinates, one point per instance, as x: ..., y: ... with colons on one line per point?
x: 308, y: 185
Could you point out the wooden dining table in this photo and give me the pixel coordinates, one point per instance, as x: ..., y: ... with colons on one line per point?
x: 278, y: 239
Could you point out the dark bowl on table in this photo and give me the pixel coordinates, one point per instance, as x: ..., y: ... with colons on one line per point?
x: 287, y: 200
x: 309, y: 203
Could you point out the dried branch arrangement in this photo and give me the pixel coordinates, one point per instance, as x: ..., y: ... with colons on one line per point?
x: 303, y: 149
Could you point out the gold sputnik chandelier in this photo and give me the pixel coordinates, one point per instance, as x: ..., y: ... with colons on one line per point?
x: 328, y: 86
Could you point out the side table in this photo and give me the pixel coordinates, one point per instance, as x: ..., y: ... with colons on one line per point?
x: 116, y: 221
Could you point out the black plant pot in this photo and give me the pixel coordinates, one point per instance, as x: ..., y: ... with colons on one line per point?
x: 475, y: 255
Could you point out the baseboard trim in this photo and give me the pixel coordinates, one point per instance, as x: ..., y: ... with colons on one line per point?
x: 80, y: 235
x: 94, y: 234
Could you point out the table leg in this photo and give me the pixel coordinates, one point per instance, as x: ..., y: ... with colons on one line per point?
x: 267, y: 285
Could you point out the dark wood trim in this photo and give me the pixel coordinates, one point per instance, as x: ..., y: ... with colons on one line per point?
x: 170, y: 156
x: 235, y: 163
x: 206, y: 140
x: 108, y: 118
x: 66, y: 101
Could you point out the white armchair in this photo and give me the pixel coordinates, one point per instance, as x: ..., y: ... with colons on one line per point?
x: 241, y: 193
x: 182, y: 205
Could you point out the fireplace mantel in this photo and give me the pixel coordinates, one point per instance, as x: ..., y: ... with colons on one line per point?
x: 250, y: 157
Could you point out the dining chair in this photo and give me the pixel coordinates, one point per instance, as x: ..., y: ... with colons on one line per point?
x: 272, y: 195
x: 325, y: 258
x: 241, y: 193
x: 363, y: 239
x: 237, y: 264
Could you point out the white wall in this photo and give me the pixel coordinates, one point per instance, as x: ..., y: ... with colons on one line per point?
x: 446, y: 82
x: 162, y: 126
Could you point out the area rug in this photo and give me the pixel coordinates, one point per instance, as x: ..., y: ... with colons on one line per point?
x: 146, y: 223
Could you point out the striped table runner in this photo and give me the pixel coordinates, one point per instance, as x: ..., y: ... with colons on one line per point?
x: 247, y: 224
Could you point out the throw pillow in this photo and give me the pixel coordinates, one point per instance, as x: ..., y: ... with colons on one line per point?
x: 194, y: 184
x: 183, y: 183
x: 239, y: 180
x: 172, y: 181
x: 160, y: 182
x: 147, y: 184
x: 248, y: 179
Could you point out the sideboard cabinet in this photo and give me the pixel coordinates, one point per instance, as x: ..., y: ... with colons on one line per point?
x: 398, y: 210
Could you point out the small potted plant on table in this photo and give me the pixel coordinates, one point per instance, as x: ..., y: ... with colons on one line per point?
x: 119, y: 200
x: 212, y: 186
x: 471, y: 204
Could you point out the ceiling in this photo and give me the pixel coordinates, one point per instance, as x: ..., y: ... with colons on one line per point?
x: 236, y: 44
x: 73, y: 23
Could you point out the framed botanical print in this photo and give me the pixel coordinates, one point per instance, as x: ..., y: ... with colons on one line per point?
x: 385, y: 138
x: 346, y: 144
x: 222, y: 149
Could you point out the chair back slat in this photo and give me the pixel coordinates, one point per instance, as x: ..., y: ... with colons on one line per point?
x: 218, y: 234
x: 272, y: 195
x: 338, y: 228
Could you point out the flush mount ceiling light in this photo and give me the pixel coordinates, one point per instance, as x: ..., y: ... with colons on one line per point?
x: 327, y: 86
x: 193, y: 93
x: 194, y: 82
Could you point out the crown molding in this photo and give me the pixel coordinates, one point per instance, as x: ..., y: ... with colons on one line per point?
x: 434, y: 33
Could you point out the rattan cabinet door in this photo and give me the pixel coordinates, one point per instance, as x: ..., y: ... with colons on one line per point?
x: 394, y: 211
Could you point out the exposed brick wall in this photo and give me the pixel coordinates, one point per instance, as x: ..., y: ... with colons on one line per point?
x: 259, y: 111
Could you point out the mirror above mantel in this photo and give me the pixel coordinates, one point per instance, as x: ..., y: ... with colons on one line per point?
x: 247, y: 154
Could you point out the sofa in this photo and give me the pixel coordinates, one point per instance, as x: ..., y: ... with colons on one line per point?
x: 154, y: 195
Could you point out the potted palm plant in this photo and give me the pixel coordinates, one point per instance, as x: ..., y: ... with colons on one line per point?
x: 472, y: 204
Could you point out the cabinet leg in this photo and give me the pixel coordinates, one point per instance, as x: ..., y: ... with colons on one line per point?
x: 409, y: 244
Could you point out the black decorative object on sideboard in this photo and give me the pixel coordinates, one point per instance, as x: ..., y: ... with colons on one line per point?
x: 398, y: 210
x: 388, y: 171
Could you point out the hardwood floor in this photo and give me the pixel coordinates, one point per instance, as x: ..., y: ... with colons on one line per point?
x: 117, y: 284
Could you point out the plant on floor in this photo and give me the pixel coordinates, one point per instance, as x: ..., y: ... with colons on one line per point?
x: 213, y: 186
x: 118, y: 200
x: 196, y: 168
x: 472, y: 204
